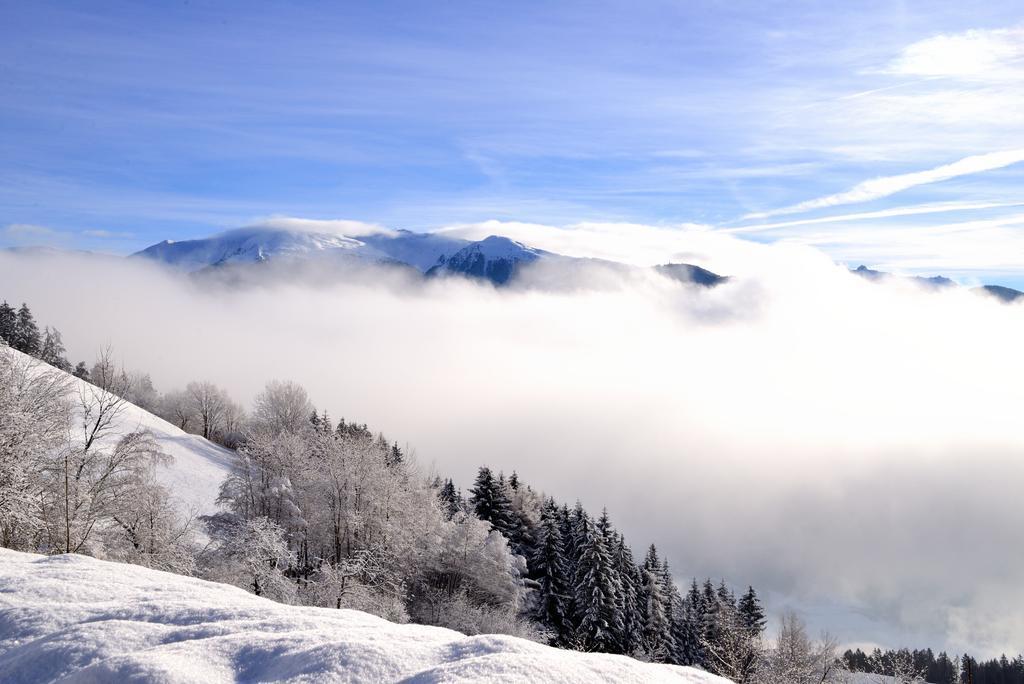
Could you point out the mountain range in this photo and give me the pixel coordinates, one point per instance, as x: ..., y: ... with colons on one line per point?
x: 496, y: 259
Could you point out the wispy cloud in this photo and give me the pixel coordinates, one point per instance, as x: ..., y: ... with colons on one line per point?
x: 29, y: 230
x: 108, y: 234
x: 914, y: 210
x: 877, y: 188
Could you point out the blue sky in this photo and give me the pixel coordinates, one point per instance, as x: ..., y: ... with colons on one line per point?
x: 122, y: 124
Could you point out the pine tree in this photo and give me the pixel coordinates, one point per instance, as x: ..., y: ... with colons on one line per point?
x: 26, y: 332
x: 709, y: 619
x: 52, y: 350
x: 8, y: 323
x: 657, y: 635
x: 81, y: 371
x: 751, y: 614
x: 609, y: 541
x: 549, y: 568
x: 491, y: 503
x: 598, y: 618
x: 630, y: 581
x: 451, y: 499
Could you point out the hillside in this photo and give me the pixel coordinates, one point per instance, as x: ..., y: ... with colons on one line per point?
x: 92, y: 620
x: 198, y: 466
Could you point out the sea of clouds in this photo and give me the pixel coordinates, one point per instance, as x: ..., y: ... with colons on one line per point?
x: 854, y: 449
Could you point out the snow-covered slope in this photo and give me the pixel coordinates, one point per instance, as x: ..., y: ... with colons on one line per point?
x: 197, y: 467
x: 261, y: 243
x: 73, y: 618
x: 249, y: 245
x: 420, y: 250
x: 495, y: 258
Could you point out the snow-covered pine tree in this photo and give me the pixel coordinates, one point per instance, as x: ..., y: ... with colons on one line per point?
x: 52, y: 350
x: 691, y: 628
x: 709, y: 610
x: 8, y: 322
x: 490, y: 501
x: 598, y: 617
x: 522, y: 518
x: 751, y: 613
x: 451, y: 499
x: 549, y: 568
x: 628, y: 597
x: 26, y: 332
x: 657, y: 630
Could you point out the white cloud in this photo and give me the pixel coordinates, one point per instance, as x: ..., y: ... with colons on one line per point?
x: 877, y: 188
x: 337, y: 226
x: 976, y: 54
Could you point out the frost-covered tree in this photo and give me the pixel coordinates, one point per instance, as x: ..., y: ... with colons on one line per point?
x: 140, y: 391
x: 751, y: 613
x: 795, y: 658
x: 253, y: 554
x: 282, y: 407
x: 597, y: 618
x: 52, y: 350
x: 657, y: 625
x: 548, y: 567
x: 25, y: 336
x: 489, y: 500
x: 209, y: 403
x: 451, y: 499
x: 34, y: 419
x: 8, y: 323
x: 176, y: 407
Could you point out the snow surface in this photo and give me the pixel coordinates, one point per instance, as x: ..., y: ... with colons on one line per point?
x: 77, y: 619
x: 261, y: 243
x: 249, y: 245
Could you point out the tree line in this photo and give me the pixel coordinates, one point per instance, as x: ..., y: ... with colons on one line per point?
x: 923, y: 665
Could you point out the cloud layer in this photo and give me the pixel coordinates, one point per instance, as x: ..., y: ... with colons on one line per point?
x: 835, y: 442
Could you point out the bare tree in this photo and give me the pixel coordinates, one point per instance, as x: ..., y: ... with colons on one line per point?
x: 176, y: 407
x: 796, y: 659
x: 282, y: 407
x: 209, y: 403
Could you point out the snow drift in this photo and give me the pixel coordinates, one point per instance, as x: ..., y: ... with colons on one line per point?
x: 81, y: 619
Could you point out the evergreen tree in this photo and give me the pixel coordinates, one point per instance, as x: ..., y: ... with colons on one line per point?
x: 26, y: 332
x: 628, y: 598
x: 491, y: 503
x: 549, y: 568
x: 598, y: 618
x: 451, y: 499
x: 52, y: 350
x: 81, y: 371
x: 610, y: 542
x: 751, y: 614
x: 657, y: 629
x: 688, y: 628
x: 8, y: 323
